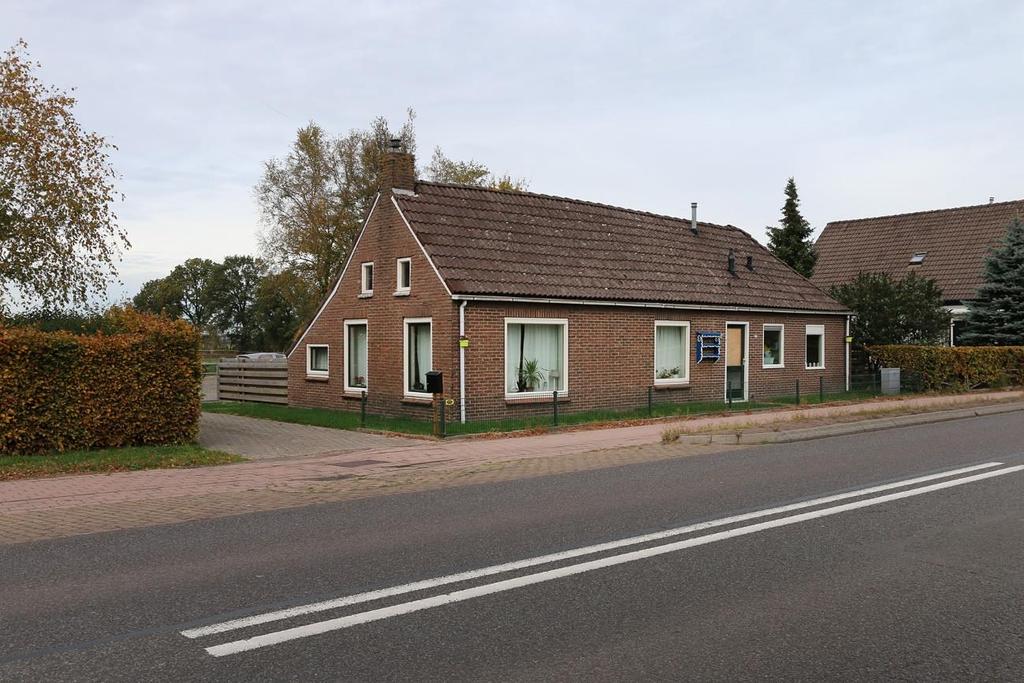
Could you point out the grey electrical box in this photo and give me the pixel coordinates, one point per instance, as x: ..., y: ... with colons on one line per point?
x: 890, y: 380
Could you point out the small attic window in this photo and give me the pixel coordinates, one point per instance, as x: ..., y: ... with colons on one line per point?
x: 918, y: 258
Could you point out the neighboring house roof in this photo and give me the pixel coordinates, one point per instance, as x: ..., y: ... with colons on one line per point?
x: 954, y: 244
x: 520, y: 244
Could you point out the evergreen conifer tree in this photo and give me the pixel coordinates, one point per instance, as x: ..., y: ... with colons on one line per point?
x: 792, y: 242
x: 996, y: 316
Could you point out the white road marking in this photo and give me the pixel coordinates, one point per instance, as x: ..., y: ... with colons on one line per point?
x: 571, y: 570
x: 369, y: 596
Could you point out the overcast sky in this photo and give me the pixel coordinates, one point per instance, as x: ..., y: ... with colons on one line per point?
x: 875, y: 108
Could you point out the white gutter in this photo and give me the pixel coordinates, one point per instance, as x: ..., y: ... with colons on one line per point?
x: 847, y: 353
x: 462, y: 363
x: 638, y: 304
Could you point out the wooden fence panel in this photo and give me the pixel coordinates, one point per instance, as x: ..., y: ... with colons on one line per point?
x: 261, y: 381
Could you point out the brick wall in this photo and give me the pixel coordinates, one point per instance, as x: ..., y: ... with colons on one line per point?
x: 385, y: 239
x: 611, y: 349
x: 611, y: 357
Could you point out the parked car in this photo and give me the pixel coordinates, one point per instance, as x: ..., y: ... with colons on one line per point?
x: 263, y: 356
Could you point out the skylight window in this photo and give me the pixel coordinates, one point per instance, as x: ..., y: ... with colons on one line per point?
x: 918, y: 258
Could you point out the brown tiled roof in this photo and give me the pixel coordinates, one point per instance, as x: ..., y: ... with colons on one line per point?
x: 489, y: 242
x: 956, y: 241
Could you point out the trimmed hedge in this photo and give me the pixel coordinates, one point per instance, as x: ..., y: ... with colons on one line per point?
x: 958, y: 368
x: 137, y: 386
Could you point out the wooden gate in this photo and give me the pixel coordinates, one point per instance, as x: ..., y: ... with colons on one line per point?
x: 262, y: 381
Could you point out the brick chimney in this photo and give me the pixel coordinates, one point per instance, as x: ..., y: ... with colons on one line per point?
x: 399, y: 170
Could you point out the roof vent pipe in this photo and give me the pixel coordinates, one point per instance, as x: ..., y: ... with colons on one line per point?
x: 693, y: 217
x: 732, y: 262
x: 991, y: 200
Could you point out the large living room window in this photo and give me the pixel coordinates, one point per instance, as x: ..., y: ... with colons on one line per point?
x: 773, y: 346
x: 536, y: 356
x: 815, y: 347
x: 671, y: 352
x: 418, y: 356
x: 355, y: 355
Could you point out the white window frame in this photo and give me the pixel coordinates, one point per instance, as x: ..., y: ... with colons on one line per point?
x: 348, y: 386
x: 564, y: 322
x: 405, y: 356
x: 685, y: 368
x: 399, y: 289
x: 782, y: 345
x: 808, y: 331
x: 310, y: 372
x: 363, y: 290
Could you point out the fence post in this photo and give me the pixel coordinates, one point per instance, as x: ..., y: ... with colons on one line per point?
x: 650, y: 401
x: 821, y: 388
x: 875, y: 379
x: 554, y: 407
x: 728, y: 394
x: 798, y: 392
x: 362, y: 409
x: 444, y: 421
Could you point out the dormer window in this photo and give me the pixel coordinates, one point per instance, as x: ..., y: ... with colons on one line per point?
x: 918, y: 258
x: 366, y: 280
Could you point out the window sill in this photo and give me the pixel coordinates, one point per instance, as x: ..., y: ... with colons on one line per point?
x: 365, y: 295
x: 814, y: 367
x: 317, y: 378
x: 772, y: 367
x: 418, y: 400
x: 514, y: 399
x: 671, y: 385
x: 403, y: 292
x: 353, y: 393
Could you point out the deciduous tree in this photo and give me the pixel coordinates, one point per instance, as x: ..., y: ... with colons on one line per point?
x: 890, y: 311
x: 59, y: 237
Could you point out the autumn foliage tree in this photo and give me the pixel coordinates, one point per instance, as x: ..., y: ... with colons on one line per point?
x: 59, y: 237
x: 313, y: 201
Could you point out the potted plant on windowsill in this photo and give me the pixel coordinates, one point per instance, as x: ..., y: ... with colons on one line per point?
x: 529, y: 376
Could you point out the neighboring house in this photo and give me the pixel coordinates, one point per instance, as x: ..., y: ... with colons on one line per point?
x: 551, y: 294
x: 946, y: 245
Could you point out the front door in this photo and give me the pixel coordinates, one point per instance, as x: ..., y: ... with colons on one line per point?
x: 736, y: 362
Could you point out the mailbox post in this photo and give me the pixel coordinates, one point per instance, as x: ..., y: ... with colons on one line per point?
x: 435, y: 385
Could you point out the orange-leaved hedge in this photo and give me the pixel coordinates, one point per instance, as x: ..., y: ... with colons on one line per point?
x: 957, y: 367
x: 138, y: 385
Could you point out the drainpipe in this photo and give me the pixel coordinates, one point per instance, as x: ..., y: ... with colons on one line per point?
x: 462, y: 363
x: 847, y: 353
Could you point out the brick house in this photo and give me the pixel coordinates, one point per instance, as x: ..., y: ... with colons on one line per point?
x: 948, y: 246
x: 515, y: 296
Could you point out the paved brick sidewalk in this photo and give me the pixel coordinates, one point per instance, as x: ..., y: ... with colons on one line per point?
x: 268, y: 440
x: 44, y: 508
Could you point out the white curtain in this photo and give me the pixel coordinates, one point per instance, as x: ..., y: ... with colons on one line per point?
x: 357, y: 355
x: 669, y: 352
x: 536, y: 342
x: 419, y: 355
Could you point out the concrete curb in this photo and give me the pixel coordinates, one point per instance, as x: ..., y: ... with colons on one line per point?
x: 753, y: 438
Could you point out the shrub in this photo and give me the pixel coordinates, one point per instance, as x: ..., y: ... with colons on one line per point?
x: 137, y: 385
x: 958, y: 367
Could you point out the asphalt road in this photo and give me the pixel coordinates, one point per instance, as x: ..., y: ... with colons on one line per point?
x: 915, y: 579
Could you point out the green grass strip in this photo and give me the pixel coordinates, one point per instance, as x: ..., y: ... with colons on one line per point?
x: 111, y: 460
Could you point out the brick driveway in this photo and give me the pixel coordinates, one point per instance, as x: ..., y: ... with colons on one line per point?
x: 268, y: 440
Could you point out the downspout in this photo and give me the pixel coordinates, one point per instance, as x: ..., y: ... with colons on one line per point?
x: 462, y: 362
x: 846, y: 341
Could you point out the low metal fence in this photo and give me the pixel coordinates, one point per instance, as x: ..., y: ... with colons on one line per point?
x: 640, y: 404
